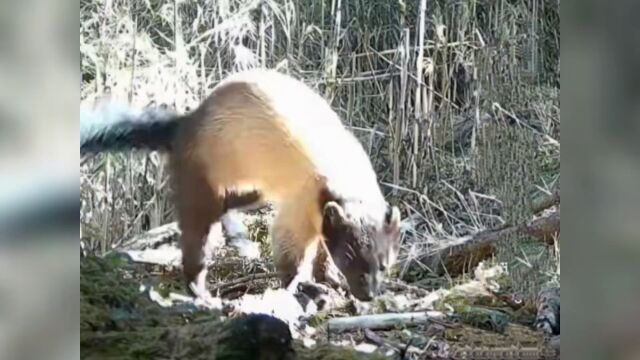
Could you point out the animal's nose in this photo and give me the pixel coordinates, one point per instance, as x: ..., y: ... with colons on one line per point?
x: 373, y: 291
x: 368, y: 296
x: 363, y: 294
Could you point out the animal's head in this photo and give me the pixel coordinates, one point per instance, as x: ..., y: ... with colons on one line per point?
x: 363, y: 241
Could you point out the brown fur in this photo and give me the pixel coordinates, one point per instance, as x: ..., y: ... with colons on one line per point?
x: 250, y: 142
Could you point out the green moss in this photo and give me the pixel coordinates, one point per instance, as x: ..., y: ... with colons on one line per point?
x: 484, y: 318
x: 318, y: 319
x: 469, y: 312
x: 118, y: 322
x: 104, y: 287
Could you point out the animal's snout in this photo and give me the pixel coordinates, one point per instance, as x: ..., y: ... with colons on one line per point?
x: 364, y: 295
x: 368, y: 287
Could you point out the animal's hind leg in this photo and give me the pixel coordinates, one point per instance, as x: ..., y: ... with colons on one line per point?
x: 198, y: 207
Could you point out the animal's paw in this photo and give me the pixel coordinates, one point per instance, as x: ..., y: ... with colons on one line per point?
x: 321, y: 295
x: 202, y: 297
x: 312, y: 289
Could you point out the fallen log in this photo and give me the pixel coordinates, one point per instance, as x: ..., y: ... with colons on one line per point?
x: 154, y: 238
x: 545, y: 227
x: 548, y: 201
x: 457, y: 255
x: 382, y: 321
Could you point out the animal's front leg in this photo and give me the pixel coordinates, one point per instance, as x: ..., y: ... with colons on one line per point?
x: 326, y: 271
x: 304, y: 269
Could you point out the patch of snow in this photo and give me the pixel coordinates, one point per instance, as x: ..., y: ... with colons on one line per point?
x: 165, y: 255
x: 246, y: 248
x: 307, y: 342
x: 233, y: 224
x: 366, y: 348
x: 236, y: 231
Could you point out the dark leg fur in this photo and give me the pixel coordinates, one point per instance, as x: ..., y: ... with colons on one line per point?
x: 327, y: 281
x: 296, y: 271
x: 325, y: 271
x: 287, y: 269
x: 198, y: 207
x: 244, y: 201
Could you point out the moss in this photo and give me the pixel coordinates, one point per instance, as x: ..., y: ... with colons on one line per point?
x: 513, y: 335
x: 468, y: 311
x: 331, y: 352
x: 318, y: 319
x: 104, y: 288
x: 117, y: 321
x: 484, y: 318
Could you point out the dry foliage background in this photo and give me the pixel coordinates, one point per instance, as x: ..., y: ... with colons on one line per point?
x: 457, y: 103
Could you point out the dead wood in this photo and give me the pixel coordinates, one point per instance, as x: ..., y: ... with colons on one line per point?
x: 454, y: 256
x: 509, y: 299
x: 378, y: 340
x: 382, y: 321
x: 401, y: 349
x: 548, y: 201
x: 243, y: 280
x: 154, y: 238
x: 545, y: 227
x: 402, y: 287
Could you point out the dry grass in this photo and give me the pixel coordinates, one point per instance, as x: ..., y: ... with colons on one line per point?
x: 456, y: 102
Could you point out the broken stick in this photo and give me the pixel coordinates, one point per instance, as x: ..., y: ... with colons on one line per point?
x: 382, y: 321
x: 459, y: 255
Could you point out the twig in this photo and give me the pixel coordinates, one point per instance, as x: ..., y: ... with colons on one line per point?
x: 397, y: 284
x: 520, y: 122
x: 377, y: 340
x: 245, y: 279
x: 505, y: 298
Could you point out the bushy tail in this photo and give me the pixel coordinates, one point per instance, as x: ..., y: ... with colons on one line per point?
x: 113, y: 128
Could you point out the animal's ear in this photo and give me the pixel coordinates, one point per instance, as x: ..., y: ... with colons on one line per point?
x: 392, y: 220
x: 333, y: 213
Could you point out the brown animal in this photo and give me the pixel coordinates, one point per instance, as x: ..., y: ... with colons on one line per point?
x: 264, y: 136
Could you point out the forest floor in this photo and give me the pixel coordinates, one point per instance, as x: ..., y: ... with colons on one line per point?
x: 134, y: 305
